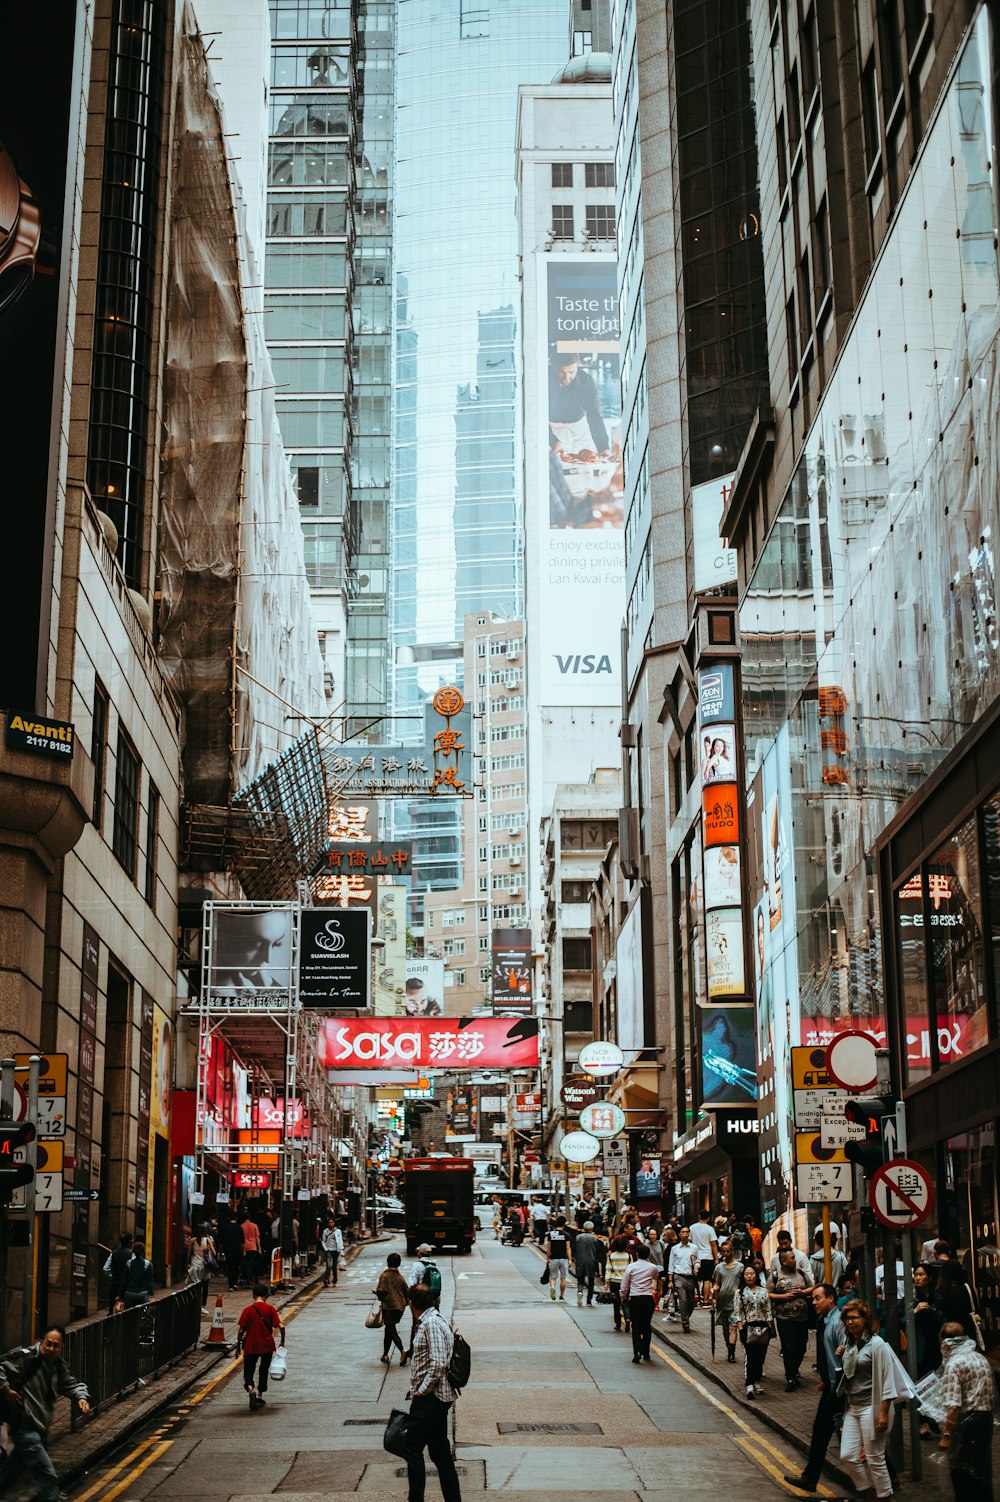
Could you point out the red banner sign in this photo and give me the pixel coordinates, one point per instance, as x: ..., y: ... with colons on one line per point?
x: 429, y: 1042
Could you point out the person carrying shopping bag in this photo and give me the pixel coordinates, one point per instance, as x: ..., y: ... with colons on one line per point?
x: 257, y: 1325
x: 752, y: 1307
x: 393, y: 1295
x: 873, y: 1381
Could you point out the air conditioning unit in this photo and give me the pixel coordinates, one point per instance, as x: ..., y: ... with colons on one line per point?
x: 513, y: 679
x: 514, y: 860
x: 517, y: 896
x: 513, y: 651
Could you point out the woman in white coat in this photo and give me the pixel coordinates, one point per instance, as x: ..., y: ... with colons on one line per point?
x: 873, y: 1381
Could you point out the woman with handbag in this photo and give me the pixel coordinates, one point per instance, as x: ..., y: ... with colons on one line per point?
x: 873, y: 1381
x: 752, y: 1309
x: 202, y: 1260
x: 393, y: 1294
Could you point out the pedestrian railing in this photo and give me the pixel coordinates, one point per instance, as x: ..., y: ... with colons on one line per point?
x: 113, y: 1355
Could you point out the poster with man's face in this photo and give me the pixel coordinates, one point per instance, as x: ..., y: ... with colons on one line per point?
x: 251, y: 958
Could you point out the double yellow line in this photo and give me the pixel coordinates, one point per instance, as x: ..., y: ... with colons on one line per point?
x: 752, y: 1443
x: 156, y: 1446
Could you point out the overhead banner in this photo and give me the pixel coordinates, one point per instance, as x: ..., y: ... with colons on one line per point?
x: 512, y: 971
x: 424, y: 1043
x: 335, y: 958
x: 577, y: 536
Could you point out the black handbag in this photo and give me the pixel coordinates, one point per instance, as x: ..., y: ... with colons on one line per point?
x: 396, y: 1438
x: 546, y: 1275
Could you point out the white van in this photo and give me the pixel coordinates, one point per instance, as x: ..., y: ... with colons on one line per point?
x: 487, y: 1193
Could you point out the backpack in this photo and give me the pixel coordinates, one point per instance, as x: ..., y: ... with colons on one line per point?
x: 460, y: 1365
x: 432, y: 1277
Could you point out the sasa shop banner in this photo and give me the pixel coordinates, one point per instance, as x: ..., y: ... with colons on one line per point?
x: 429, y: 1042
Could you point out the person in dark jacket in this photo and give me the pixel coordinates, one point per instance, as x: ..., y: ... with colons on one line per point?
x: 115, y: 1269
x: 830, y: 1337
x: 138, y: 1288
x: 232, y: 1249
x: 31, y: 1378
x: 953, y: 1297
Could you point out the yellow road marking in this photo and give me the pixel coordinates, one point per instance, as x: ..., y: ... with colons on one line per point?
x: 144, y: 1464
x: 227, y: 1370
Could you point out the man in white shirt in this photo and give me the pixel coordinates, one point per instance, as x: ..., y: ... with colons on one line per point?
x: 539, y: 1222
x: 880, y: 1280
x: 707, y: 1249
x: 682, y: 1267
x: 802, y: 1263
x: 639, y: 1287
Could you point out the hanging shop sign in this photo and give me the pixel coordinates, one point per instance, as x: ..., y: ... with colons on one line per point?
x: 249, y: 1178
x: 602, y: 1119
x: 720, y: 806
x: 512, y: 971
x: 29, y: 732
x: 429, y: 1043
x: 579, y: 1147
x: 714, y: 559
x: 335, y: 958
x: 579, y: 1091
x: 726, y: 972
x: 601, y: 1059
x: 461, y: 1124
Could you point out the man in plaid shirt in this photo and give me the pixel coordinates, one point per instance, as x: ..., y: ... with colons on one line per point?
x: 431, y: 1397
x: 967, y: 1398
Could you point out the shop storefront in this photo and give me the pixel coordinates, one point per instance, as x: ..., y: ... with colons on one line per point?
x: 939, y: 870
x: 715, y: 1166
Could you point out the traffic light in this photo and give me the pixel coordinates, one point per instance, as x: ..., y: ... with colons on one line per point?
x: 870, y: 1151
x: 14, y: 1135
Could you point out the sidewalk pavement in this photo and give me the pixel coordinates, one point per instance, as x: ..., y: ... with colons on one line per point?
x: 73, y: 1454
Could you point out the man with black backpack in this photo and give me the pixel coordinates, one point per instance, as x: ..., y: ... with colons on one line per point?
x: 424, y: 1271
x: 433, y: 1389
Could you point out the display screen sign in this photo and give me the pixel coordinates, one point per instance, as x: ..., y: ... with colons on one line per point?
x: 335, y: 958
x: 720, y: 814
x: 724, y: 951
x: 462, y: 1120
x: 716, y: 695
x: 249, y: 958
x: 425, y: 1043
x: 727, y: 1047
x: 512, y: 971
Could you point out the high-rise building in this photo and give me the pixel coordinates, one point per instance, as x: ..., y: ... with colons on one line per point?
x: 572, y: 428
x: 694, y: 369
x: 456, y: 502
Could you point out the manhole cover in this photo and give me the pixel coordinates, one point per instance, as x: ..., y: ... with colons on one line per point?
x: 549, y: 1429
x: 383, y: 1421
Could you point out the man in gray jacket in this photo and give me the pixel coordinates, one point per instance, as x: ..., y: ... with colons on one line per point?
x: 31, y: 1378
x: 586, y: 1253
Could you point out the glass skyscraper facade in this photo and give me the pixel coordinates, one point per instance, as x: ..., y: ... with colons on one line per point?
x: 456, y: 502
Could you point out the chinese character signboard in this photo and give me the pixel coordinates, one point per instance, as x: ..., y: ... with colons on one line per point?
x: 429, y: 1043
x: 334, y: 958
x: 512, y: 971
x: 447, y: 743
x: 436, y: 766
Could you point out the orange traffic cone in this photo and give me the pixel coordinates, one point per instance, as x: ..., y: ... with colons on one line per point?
x: 216, y: 1335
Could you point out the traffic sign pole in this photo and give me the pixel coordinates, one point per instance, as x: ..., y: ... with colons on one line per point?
x: 28, y: 1297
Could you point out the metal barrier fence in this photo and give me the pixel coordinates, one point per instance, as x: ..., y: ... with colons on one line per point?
x: 115, y: 1354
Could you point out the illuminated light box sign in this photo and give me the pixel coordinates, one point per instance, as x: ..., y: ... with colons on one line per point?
x: 429, y: 1043
x: 720, y: 805
x: 727, y: 1038
x: 724, y: 951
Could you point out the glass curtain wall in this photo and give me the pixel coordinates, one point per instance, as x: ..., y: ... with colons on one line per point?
x: 456, y: 503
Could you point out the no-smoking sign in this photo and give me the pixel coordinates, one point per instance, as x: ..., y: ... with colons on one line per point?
x: 901, y: 1194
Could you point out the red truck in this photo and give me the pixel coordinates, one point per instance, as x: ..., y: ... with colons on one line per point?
x: 439, y: 1203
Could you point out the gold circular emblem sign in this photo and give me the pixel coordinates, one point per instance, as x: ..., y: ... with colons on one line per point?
x: 448, y: 702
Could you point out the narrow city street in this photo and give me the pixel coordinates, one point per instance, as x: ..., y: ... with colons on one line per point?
x: 555, y: 1406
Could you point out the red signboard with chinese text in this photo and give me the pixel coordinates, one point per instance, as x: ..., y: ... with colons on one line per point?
x: 721, y: 814
x: 429, y: 1042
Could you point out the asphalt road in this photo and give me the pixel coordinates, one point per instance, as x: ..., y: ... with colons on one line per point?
x: 555, y: 1409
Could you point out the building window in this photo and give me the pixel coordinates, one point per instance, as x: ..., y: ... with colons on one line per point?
x: 870, y: 115
x: 484, y: 883
x: 484, y: 913
x: 576, y: 954
x: 125, y: 834
x: 485, y: 975
x: 562, y: 221
x: 99, y: 752
x: 598, y: 174
x: 575, y: 891
x: 562, y: 174
x: 484, y: 943
x: 583, y: 42
x: 601, y: 221
x: 821, y: 260
x: 792, y: 336
x: 152, y: 840
x: 474, y: 19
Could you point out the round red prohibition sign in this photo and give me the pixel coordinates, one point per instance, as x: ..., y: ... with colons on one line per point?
x: 901, y: 1194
